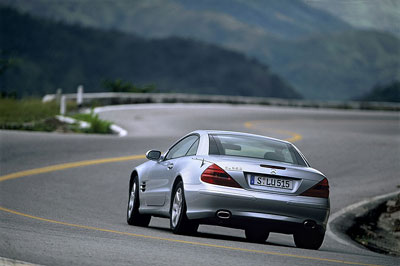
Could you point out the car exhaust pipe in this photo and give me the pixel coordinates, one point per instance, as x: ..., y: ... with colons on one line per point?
x: 224, y: 214
x: 310, y: 224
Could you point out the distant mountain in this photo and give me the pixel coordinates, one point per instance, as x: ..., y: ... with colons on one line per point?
x: 337, y: 66
x: 48, y: 55
x: 288, y: 19
x: 383, y: 15
x: 202, y: 19
x: 320, y: 55
x: 383, y: 93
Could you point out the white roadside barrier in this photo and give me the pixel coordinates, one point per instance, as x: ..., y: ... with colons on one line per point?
x: 112, y: 98
x: 82, y: 124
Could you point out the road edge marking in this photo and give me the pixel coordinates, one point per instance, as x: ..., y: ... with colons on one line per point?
x: 11, y: 262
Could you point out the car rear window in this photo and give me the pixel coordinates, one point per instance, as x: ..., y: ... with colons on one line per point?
x: 254, y: 147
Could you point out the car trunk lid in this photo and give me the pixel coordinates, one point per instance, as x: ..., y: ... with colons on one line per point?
x: 267, y: 175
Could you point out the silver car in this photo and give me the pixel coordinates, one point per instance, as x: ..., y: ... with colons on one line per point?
x: 232, y: 179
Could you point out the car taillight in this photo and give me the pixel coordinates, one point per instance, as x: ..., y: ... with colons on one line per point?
x: 320, y: 190
x: 217, y: 176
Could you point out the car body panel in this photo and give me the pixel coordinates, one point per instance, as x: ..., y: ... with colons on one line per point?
x: 246, y: 204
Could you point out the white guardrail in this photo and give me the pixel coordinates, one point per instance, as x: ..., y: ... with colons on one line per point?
x: 112, y: 98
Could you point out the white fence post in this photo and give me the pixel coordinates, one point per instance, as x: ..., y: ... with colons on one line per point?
x: 79, y: 96
x: 58, y: 95
x: 63, y: 105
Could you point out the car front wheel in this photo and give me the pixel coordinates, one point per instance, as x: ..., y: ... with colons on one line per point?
x: 179, y: 222
x: 133, y: 216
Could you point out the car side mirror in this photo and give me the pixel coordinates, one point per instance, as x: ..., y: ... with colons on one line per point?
x: 153, y: 155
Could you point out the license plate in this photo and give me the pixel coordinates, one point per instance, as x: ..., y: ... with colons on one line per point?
x: 271, y: 182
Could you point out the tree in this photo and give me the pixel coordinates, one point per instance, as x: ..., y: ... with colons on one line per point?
x: 119, y: 85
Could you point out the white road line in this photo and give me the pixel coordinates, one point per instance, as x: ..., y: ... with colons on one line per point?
x: 119, y: 130
x: 11, y: 262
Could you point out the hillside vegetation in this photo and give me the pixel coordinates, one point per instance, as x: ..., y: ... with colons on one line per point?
x: 384, y: 93
x: 48, y: 55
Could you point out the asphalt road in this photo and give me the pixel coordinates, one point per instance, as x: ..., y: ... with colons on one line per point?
x: 75, y: 214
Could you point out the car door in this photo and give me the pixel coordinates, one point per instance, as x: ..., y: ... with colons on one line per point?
x: 163, y: 172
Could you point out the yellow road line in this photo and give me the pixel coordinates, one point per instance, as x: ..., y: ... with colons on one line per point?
x: 249, y: 124
x: 294, y: 136
x: 58, y: 167
x: 185, y: 241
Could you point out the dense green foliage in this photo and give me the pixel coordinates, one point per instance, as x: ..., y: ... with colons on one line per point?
x: 52, y: 55
x: 5, y: 62
x: 319, y: 54
x: 381, y: 93
x: 125, y: 86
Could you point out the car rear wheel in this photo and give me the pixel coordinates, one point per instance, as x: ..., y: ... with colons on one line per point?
x: 256, y: 235
x: 179, y: 222
x: 133, y: 216
x: 309, y: 239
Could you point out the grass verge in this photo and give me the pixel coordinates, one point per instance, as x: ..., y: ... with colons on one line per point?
x: 97, y: 125
x: 33, y: 115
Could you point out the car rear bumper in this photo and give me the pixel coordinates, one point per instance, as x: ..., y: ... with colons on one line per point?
x: 247, y: 207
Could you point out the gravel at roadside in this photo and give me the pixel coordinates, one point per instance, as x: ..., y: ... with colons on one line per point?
x: 379, y: 229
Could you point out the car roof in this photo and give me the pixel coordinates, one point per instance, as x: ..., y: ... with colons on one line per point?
x: 223, y: 132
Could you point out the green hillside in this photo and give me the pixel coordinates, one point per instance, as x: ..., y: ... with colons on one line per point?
x: 47, y: 55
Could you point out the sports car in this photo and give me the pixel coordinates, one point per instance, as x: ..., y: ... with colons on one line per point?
x: 232, y: 179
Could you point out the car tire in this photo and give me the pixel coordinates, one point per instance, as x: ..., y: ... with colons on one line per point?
x: 256, y: 235
x: 179, y: 222
x: 309, y: 239
x: 133, y: 216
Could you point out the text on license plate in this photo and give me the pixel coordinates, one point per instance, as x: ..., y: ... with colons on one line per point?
x: 271, y: 182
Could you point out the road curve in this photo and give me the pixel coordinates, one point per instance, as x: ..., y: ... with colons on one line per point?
x: 71, y: 208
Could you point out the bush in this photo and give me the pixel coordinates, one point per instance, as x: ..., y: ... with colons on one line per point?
x: 97, y: 125
x: 121, y: 86
x: 384, y: 93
